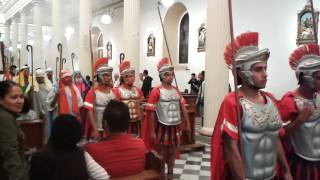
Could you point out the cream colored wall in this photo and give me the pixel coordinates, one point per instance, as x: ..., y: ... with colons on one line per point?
x: 172, y: 21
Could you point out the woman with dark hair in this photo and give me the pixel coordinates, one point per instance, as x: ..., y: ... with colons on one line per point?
x: 12, y: 160
x: 27, y: 113
x: 62, y: 159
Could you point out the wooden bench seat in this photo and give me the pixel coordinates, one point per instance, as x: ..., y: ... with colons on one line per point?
x: 34, y: 133
x: 153, y: 169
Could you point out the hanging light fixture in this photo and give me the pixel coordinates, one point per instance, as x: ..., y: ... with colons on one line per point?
x: 167, y: 3
x: 30, y: 42
x: 106, y: 19
x: 46, y: 37
x: 68, y: 32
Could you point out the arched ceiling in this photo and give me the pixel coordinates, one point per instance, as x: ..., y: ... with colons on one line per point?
x: 69, y: 9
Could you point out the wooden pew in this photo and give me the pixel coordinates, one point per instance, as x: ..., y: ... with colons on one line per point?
x: 186, y: 144
x: 34, y: 133
x: 153, y: 169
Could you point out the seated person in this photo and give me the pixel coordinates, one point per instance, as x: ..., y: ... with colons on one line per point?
x: 120, y: 154
x: 61, y: 158
x: 27, y: 113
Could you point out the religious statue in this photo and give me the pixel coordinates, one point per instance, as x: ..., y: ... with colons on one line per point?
x: 151, y: 45
x: 202, y: 37
x: 109, y: 50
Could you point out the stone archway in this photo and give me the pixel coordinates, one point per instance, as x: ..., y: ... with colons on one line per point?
x: 171, y: 23
x: 97, y: 42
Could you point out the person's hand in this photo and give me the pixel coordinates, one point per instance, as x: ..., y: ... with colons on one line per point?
x: 56, y: 88
x: 31, y: 88
x: 306, y: 112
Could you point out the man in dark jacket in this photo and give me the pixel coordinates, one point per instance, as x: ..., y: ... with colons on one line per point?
x: 146, y: 84
x: 194, y: 84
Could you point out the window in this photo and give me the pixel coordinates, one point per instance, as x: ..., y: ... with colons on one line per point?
x: 184, y: 39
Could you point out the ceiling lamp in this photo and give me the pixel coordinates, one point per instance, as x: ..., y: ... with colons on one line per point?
x: 167, y: 3
x: 106, y: 19
x: 68, y: 32
x: 46, y: 38
x: 30, y: 42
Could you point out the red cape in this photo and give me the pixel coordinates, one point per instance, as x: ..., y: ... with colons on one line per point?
x: 219, y: 167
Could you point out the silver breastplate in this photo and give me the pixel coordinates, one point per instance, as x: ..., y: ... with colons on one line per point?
x: 168, y: 107
x: 102, y: 99
x: 260, y: 127
x: 132, y: 99
x: 306, y: 139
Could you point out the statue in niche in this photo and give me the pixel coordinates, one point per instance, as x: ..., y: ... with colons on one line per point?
x: 306, y: 27
x: 109, y: 50
x: 100, y: 53
x: 151, y: 45
x: 202, y: 38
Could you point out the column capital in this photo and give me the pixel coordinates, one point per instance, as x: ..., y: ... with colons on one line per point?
x: 14, y: 19
x: 8, y: 22
x: 23, y: 12
x: 37, y: 2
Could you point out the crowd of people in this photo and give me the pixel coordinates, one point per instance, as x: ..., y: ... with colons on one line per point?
x: 91, y: 130
x: 256, y: 136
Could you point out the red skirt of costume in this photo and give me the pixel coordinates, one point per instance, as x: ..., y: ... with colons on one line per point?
x: 162, y: 136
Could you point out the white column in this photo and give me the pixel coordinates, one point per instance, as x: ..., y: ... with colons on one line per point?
x: 14, y: 26
x: 131, y: 27
x: 216, y: 72
x: 56, y: 32
x: 85, y: 15
x: 37, y: 47
x: 23, y: 37
x: 7, y: 34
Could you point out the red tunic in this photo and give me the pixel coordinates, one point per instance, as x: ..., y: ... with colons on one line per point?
x: 89, y: 105
x: 151, y: 106
x: 226, y: 123
x: 119, y: 155
x: 300, y: 168
x: 289, y: 111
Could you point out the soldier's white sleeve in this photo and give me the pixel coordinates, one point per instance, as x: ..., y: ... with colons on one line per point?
x: 96, y: 172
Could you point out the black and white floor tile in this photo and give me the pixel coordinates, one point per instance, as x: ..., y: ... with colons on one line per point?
x: 194, y: 165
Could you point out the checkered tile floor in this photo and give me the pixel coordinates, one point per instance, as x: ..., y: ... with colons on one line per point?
x: 194, y: 165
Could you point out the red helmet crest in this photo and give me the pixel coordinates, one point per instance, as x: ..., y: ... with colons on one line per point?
x: 243, y: 40
x: 307, y: 49
x: 100, y: 62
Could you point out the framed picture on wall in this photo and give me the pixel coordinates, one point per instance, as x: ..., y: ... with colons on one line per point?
x: 109, y: 50
x: 151, y: 45
x: 306, y: 27
x: 202, y: 37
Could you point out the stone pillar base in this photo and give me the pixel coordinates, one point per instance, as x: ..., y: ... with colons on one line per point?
x: 206, y: 131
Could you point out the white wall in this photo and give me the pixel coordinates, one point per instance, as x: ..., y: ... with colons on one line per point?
x: 113, y: 33
x: 276, y: 21
x: 150, y: 22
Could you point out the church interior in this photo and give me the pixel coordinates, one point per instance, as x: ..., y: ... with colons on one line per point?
x: 70, y: 37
